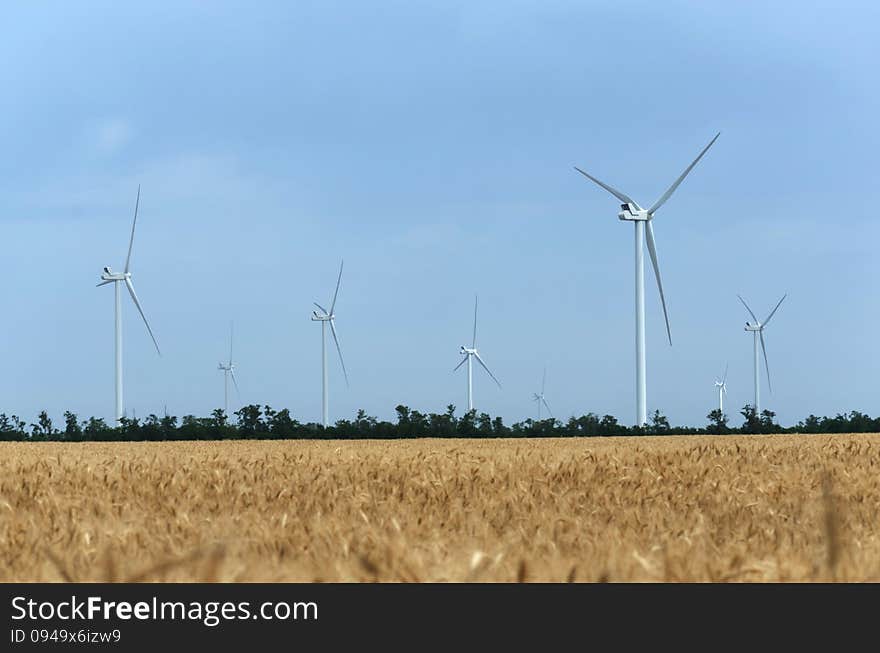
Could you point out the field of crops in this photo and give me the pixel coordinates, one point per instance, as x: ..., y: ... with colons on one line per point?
x: 618, y: 509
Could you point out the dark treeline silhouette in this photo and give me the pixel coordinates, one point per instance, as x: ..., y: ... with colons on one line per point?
x: 263, y: 422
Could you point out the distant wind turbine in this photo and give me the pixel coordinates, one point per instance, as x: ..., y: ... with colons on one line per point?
x: 539, y: 398
x: 641, y: 218
x: 470, y: 353
x: 328, y: 317
x: 124, y: 277
x: 757, y: 329
x: 228, y: 371
x: 722, y: 390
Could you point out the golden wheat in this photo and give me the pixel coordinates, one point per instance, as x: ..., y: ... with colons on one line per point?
x: 757, y: 508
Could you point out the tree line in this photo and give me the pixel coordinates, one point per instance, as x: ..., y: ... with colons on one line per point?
x: 263, y: 422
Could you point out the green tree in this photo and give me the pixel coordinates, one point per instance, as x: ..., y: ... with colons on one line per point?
x: 752, y: 423
x: 717, y: 422
x: 12, y: 428
x: 659, y: 423
x: 43, y: 429
x: 72, y: 429
x: 767, y: 423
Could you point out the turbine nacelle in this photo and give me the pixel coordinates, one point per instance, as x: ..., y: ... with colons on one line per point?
x: 467, y: 351
x: 321, y: 317
x: 754, y: 327
x: 109, y: 275
x: 633, y: 212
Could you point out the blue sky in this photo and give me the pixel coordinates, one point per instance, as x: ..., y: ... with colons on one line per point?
x: 431, y: 146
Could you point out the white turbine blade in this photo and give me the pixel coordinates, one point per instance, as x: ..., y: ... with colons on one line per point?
x: 338, y: 281
x: 338, y: 349
x: 652, y: 250
x: 474, y: 342
x: 133, y: 223
x: 621, y: 196
x: 480, y: 361
x: 235, y: 383
x: 323, y: 310
x: 134, y: 298
x: 103, y: 283
x: 684, y: 174
x: 724, y: 378
x: 766, y: 364
x: 230, y: 343
x: 748, y: 309
x: 546, y: 406
x: 463, y: 361
x: 774, y: 310
x: 544, y: 382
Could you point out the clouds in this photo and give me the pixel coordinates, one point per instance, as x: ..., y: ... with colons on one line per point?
x: 112, y: 135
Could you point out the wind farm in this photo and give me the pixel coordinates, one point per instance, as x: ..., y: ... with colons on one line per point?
x: 518, y: 407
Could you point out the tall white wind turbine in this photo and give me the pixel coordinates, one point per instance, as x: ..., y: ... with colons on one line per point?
x: 124, y: 277
x: 642, y: 218
x: 757, y: 329
x: 722, y: 389
x: 539, y: 398
x: 326, y: 317
x: 470, y: 353
x: 228, y: 371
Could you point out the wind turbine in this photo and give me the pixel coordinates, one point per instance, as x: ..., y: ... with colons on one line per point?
x: 540, y: 397
x: 722, y: 389
x: 469, y: 353
x: 228, y: 370
x: 328, y: 317
x: 124, y: 277
x: 757, y: 329
x: 641, y: 218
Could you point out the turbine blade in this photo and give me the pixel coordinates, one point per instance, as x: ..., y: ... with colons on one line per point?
x: 230, y: 343
x: 463, y: 361
x: 684, y: 174
x: 547, y: 406
x: 724, y: 378
x: 474, y: 342
x: 323, y: 310
x: 748, y: 309
x: 480, y: 361
x: 652, y: 250
x: 338, y: 281
x: 339, y: 350
x: 134, y: 298
x: 543, y: 381
x: 103, y: 283
x: 621, y: 196
x: 774, y: 310
x: 133, y: 223
x: 766, y: 364
x: 235, y: 383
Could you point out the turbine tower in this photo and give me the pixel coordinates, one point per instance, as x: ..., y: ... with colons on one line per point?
x: 757, y: 329
x: 470, y: 353
x: 539, y: 398
x: 326, y: 317
x: 124, y: 277
x: 722, y: 390
x: 641, y: 219
x: 228, y: 370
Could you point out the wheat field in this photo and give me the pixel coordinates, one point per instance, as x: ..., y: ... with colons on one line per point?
x: 756, y: 508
